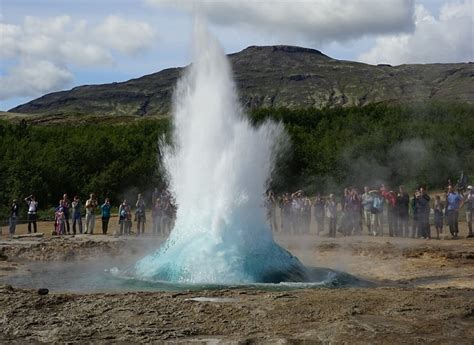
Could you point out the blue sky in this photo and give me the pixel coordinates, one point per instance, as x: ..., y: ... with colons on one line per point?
x: 53, y: 45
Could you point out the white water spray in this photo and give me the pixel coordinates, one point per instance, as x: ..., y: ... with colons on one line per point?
x: 218, y: 169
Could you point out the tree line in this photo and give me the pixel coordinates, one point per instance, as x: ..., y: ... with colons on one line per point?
x: 329, y: 148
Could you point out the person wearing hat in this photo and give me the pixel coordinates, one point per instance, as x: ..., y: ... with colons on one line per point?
x: 13, y: 218
x: 469, y: 202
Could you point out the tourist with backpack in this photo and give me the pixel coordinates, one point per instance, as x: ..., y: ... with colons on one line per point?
x: 377, y: 212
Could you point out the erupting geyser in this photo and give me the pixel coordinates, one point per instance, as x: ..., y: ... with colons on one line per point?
x: 218, y: 168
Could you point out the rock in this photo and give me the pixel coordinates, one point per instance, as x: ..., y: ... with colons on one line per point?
x: 6, y: 288
x: 43, y: 291
x: 35, y: 235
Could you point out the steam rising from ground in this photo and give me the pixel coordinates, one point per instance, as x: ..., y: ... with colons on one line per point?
x: 218, y: 168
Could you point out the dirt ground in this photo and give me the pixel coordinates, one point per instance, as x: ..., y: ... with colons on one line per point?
x: 424, y: 293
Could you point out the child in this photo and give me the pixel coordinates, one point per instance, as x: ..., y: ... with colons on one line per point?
x: 59, y: 217
x: 438, y: 215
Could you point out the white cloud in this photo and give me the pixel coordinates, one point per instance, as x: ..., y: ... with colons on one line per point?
x: 56, y: 44
x: 316, y: 21
x: 31, y: 78
x: 128, y: 37
x: 448, y: 38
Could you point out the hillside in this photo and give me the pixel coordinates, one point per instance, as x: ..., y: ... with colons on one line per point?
x: 275, y: 76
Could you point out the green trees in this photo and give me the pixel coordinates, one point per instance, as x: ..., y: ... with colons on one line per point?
x: 329, y: 148
x: 374, y: 144
x: 51, y: 160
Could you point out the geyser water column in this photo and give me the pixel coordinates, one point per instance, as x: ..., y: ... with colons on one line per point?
x: 218, y: 168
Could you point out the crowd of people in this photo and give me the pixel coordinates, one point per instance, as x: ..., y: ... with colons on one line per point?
x: 163, y: 211
x: 375, y: 209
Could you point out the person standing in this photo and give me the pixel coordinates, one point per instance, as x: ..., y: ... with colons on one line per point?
x: 156, y: 214
x: 59, y: 220
x: 128, y: 220
x: 415, y: 209
x: 453, y: 204
x: 105, y: 210
x: 123, y: 218
x: 76, y: 214
x: 91, y: 206
x: 318, y: 206
x: 296, y: 206
x: 306, y: 215
x: 285, y: 207
x: 140, y: 214
x: 377, y: 212
x: 367, y: 200
x: 469, y: 202
x: 66, y: 206
x: 13, y: 218
x: 423, y: 204
x: 353, y: 208
x: 392, y: 213
x: 155, y: 196
x: 331, y: 213
x: 32, y: 211
x: 403, y: 202
x: 270, y: 205
x: 438, y: 215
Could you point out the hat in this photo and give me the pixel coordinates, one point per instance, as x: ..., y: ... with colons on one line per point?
x: 469, y: 187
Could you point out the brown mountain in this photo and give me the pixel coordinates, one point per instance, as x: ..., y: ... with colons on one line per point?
x: 274, y: 76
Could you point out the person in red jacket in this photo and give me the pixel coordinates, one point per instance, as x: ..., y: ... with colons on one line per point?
x: 392, y: 211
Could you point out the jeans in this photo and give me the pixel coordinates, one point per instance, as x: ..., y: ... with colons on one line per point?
x: 452, y: 216
x: 12, y: 226
x: 105, y: 225
x: 141, y: 220
x: 78, y: 221
x: 403, y: 226
x: 319, y: 224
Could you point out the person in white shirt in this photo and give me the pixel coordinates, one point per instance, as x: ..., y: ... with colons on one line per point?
x: 32, y: 211
x: 91, y: 206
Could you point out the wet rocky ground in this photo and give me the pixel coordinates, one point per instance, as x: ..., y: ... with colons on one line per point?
x: 424, y: 294
x: 351, y: 316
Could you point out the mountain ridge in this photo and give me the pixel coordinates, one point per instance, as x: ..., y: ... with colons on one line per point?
x: 271, y: 77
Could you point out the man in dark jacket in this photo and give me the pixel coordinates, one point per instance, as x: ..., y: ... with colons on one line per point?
x: 423, y: 205
x: 13, y: 218
x: 403, y: 200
